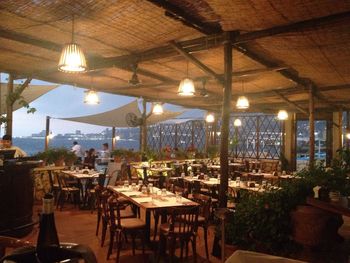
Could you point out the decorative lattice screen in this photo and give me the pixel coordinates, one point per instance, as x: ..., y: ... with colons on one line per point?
x: 258, y: 137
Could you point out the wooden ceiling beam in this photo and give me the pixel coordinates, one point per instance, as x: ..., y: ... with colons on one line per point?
x: 196, y: 62
x: 291, y: 103
x: 298, y: 26
x: 181, y: 15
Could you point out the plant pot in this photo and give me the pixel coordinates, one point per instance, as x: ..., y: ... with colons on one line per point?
x: 59, y: 162
x: 334, y: 196
x: 309, y: 225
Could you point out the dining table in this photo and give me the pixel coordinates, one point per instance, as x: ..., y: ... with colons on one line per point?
x: 160, y: 173
x: 155, y: 201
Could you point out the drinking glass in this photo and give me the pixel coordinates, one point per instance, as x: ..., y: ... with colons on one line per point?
x: 238, y: 180
x: 150, y: 187
x: 126, y: 184
x: 77, y: 169
x: 134, y: 187
x: 178, y: 197
x: 182, y: 175
x: 163, y: 192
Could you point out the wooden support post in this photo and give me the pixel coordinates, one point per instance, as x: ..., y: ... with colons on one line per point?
x: 176, y: 139
x: 192, y: 134
x: 347, y: 140
x: 207, y: 134
x: 225, y: 120
x: 113, y: 139
x: 47, y: 133
x: 160, y: 138
x: 257, y: 144
x: 236, y: 141
x: 144, y: 127
x: 312, y: 127
x: 329, y: 142
x: 9, y: 106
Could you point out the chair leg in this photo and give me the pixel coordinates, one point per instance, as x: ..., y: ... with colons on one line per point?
x: 98, y: 222
x: 194, y: 250
x: 143, y: 241
x: 104, y: 230
x: 133, y: 243
x: 58, y: 199
x: 172, y: 249
x: 205, y: 229
x: 182, y: 250
x: 111, y: 242
x: 156, y: 220
x: 119, y: 245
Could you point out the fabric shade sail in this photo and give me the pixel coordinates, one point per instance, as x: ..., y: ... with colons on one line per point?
x: 30, y: 93
x: 128, y: 115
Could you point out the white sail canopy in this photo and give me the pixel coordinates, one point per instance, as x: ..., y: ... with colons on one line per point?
x: 126, y: 116
x: 30, y: 93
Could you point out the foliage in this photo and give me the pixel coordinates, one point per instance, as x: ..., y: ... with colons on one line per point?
x: 55, y: 154
x: 125, y: 153
x: 213, y: 151
x: 262, y: 220
x: 284, y: 162
x: 333, y: 178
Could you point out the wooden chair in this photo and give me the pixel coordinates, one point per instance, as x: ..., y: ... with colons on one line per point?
x: 205, y: 203
x: 10, y: 242
x: 182, y: 227
x: 120, y: 226
x: 66, y: 192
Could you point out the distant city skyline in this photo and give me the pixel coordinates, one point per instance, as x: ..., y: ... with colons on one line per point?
x: 67, y: 101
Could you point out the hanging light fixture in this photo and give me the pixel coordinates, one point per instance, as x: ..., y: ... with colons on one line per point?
x: 210, y: 118
x: 91, y: 97
x: 72, y: 59
x: 186, y: 87
x: 237, y: 123
x: 282, y: 115
x: 242, y: 101
x: 157, y: 109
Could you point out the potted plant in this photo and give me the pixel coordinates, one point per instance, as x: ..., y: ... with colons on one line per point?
x: 213, y: 151
x: 69, y: 158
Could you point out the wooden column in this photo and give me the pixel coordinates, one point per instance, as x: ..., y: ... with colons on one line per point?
x: 47, y: 133
x: 113, y: 138
x: 143, y: 128
x: 347, y: 140
x: 225, y: 121
x: 289, y: 144
x: 329, y: 142
x: 9, y: 106
x: 206, y: 132
x: 257, y: 144
x: 337, y: 132
x: 312, y: 127
x: 176, y: 139
x: 160, y: 137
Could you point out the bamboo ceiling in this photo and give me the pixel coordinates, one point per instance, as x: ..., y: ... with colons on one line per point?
x: 281, y: 48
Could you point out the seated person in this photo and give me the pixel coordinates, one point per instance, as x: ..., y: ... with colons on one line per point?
x: 90, y: 158
x: 7, y: 144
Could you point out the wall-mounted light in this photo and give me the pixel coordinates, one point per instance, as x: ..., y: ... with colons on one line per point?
x: 210, y: 118
x: 282, y: 115
x: 237, y: 123
x: 157, y: 109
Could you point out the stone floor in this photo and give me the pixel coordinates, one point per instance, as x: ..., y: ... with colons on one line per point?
x: 78, y: 226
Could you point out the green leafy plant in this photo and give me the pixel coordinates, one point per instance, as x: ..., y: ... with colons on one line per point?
x: 213, y: 151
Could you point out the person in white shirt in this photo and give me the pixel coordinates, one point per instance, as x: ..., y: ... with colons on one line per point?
x: 7, y: 144
x: 104, y: 154
x: 78, y: 151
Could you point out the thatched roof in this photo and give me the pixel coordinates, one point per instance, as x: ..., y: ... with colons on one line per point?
x: 280, y: 47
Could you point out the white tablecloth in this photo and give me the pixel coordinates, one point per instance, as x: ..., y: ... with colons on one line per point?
x: 243, y: 256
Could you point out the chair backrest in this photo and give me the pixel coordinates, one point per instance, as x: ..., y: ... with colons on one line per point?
x: 183, y: 191
x: 114, y: 207
x: 184, y: 221
x: 180, y: 182
x: 113, y: 171
x: 10, y: 242
x: 204, y: 202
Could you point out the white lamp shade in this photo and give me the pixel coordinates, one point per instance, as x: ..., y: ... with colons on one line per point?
x: 210, y: 118
x: 91, y: 97
x: 157, y: 109
x: 237, y: 123
x: 242, y: 103
x: 282, y: 115
x: 186, y: 87
x: 72, y: 59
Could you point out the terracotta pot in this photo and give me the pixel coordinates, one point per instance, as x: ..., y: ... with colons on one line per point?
x: 59, y: 162
x: 310, y: 225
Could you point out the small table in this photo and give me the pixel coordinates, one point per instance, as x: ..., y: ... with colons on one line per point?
x: 84, y: 179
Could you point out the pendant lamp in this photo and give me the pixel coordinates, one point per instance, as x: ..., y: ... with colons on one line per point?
x: 72, y: 59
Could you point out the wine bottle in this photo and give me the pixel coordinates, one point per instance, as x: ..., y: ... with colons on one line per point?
x: 47, y: 238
